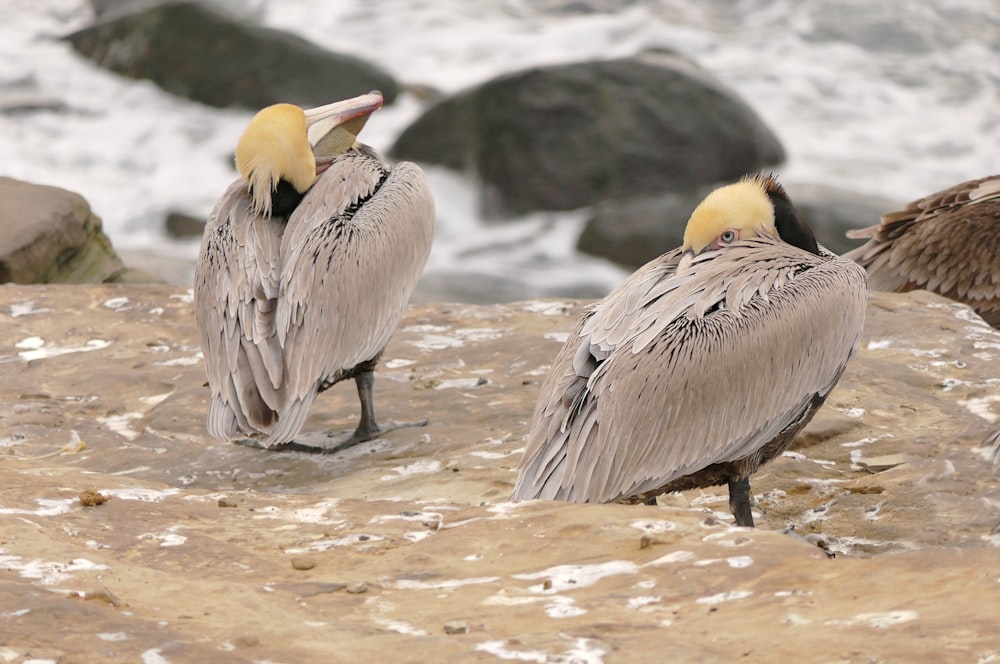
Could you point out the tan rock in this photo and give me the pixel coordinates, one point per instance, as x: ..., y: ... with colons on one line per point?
x: 103, y: 389
x: 50, y: 235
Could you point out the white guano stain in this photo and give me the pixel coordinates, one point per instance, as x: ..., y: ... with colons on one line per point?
x: 981, y: 407
x: 546, y: 308
x: 879, y: 620
x: 412, y: 584
x: 639, y: 602
x: 719, y: 598
x: 48, y: 573
x: 672, y: 557
x: 569, y: 577
x: 116, y: 303
x: 46, y: 507
x: 417, y: 468
x: 563, y: 607
x: 653, y: 526
x: 879, y: 344
x: 35, y: 348
x: 400, y: 627
x: 121, y: 424
x: 558, y: 337
x: 145, y: 495
x: 113, y: 636
x: 154, y: 656
x: 26, y: 308
x: 398, y: 363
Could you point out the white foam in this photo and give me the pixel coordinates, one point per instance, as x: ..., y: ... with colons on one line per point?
x: 851, y: 115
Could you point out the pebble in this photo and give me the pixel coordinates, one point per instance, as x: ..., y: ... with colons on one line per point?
x: 357, y: 587
x: 456, y: 627
x: 303, y: 563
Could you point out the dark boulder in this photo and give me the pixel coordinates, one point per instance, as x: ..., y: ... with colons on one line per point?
x: 831, y: 212
x: 566, y: 136
x: 197, y: 52
x: 633, y: 232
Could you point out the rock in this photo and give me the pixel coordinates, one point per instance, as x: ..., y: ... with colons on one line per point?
x: 456, y: 627
x: 566, y: 136
x: 303, y: 564
x: 831, y: 212
x: 633, y: 232
x: 50, y: 235
x: 197, y: 52
x: 120, y: 367
x: 182, y: 226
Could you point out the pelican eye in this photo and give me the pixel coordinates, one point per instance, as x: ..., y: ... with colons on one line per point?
x: 728, y: 236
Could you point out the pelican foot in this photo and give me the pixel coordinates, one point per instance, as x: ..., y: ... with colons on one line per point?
x: 331, y: 442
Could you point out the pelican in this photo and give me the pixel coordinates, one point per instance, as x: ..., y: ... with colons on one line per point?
x: 305, y: 269
x: 703, y: 364
x: 945, y: 243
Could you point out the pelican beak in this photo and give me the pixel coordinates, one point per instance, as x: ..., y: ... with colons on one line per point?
x: 685, y: 262
x: 333, y: 128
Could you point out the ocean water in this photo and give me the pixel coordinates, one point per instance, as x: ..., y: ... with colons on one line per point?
x: 885, y: 98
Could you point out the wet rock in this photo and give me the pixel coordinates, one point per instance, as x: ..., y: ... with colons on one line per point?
x: 199, y: 52
x: 118, y: 367
x: 566, y: 136
x: 50, y: 235
x: 182, y: 226
x: 632, y: 232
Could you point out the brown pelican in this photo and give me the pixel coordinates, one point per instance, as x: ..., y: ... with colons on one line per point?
x: 305, y: 269
x: 703, y: 364
x: 946, y: 242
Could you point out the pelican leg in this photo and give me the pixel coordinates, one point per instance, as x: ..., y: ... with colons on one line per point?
x: 331, y: 443
x: 739, y: 501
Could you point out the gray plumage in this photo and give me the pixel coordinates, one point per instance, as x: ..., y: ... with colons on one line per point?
x: 289, y: 306
x: 946, y: 243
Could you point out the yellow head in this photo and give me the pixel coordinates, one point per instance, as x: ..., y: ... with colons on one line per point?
x: 756, y: 205
x: 284, y: 142
x: 740, y: 210
x: 274, y: 147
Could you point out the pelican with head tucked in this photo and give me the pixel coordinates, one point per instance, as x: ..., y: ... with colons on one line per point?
x: 946, y: 242
x: 703, y: 364
x: 306, y: 267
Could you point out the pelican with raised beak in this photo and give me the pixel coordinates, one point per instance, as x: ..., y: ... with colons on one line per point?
x: 703, y: 364
x: 305, y: 269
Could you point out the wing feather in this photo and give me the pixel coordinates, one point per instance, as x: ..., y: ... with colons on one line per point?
x: 235, y: 286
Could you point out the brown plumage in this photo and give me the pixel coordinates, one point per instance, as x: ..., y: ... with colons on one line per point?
x: 947, y: 243
x: 702, y: 365
x: 306, y: 267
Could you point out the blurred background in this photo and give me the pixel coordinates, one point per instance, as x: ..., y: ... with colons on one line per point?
x: 566, y: 140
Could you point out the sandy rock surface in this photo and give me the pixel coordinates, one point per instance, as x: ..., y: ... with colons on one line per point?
x: 126, y: 534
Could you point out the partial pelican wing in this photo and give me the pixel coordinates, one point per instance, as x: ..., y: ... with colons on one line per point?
x: 674, y: 372
x: 946, y: 243
x: 352, y: 255
x: 235, y: 289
